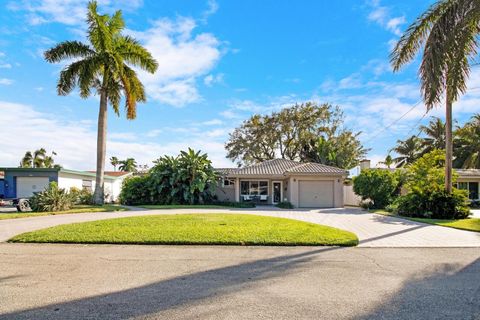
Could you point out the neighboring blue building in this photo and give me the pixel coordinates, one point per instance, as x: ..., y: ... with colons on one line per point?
x: 18, y: 181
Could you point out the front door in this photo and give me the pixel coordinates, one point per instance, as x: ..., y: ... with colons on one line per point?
x: 277, y: 192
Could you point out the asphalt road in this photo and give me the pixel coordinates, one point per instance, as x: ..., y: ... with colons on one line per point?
x: 208, y: 282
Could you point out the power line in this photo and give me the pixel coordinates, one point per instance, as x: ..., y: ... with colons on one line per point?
x: 394, y: 122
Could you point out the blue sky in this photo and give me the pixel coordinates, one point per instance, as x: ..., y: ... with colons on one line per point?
x: 220, y: 62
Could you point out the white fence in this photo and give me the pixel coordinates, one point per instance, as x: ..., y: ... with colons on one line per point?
x: 349, y: 197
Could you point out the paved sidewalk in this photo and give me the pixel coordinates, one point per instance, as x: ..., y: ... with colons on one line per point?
x: 372, y: 230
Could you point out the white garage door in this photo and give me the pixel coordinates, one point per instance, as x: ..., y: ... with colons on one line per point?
x: 315, y: 194
x: 26, y: 186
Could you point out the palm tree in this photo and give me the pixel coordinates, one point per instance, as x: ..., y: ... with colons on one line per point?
x: 103, y: 65
x: 408, y: 150
x: 388, y: 161
x: 114, y: 162
x: 467, y: 143
x: 27, y: 160
x: 435, y: 135
x: 448, y: 32
x: 39, y: 158
x: 129, y: 165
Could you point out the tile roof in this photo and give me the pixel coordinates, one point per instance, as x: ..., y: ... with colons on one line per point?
x: 282, y: 167
x: 468, y: 172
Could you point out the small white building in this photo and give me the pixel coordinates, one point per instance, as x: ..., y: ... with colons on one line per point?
x: 24, y: 182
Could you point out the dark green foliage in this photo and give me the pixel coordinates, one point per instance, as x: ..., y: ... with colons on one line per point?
x: 233, y: 204
x: 434, y: 204
x: 285, y: 205
x: 426, y: 195
x: 51, y: 199
x: 377, y: 187
x: 186, y: 179
x: 136, y: 191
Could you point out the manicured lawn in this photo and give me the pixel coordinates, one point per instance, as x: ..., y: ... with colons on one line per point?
x: 205, y: 229
x: 470, y: 224
x: 75, y: 209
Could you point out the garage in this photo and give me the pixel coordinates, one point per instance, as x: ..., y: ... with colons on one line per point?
x: 27, y: 186
x: 316, y: 194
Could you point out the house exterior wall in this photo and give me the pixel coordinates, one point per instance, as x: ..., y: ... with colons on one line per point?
x: 233, y: 193
x: 112, y: 187
x: 10, y: 179
x: 337, y: 188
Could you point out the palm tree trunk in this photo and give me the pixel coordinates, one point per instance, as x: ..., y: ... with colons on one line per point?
x: 448, y: 145
x: 101, y: 149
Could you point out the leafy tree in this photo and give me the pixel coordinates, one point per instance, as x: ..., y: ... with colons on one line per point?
x: 128, y: 165
x: 408, y: 151
x: 467, y: 144
x: 114, y: 162
x: 304, y: 132
x: 376, y: 185
x: 448, y: 33
x: 435, y: 135
x: 103, y: 64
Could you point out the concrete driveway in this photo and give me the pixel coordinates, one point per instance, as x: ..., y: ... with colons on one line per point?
x: 373, y: 230
x: 200, y: 282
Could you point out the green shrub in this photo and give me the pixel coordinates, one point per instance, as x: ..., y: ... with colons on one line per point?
x: 377, y: 187
x: 285, y: 205
x: 51, y: 199
x: 233, y: 204
x: 435, y: 205
x: 426, y: 196
x: 81, y: 196
x: 136, y: 190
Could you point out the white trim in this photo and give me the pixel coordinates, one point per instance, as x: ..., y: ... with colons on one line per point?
x: 281, y: 191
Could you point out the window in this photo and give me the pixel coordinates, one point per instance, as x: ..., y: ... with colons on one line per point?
x: 471, y: 187
x: 228, y: 182
x: 87, y: 184
x: 254, y: 187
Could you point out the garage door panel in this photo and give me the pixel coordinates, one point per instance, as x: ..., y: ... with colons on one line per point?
x: 27, y: 186
x: 315, y: 194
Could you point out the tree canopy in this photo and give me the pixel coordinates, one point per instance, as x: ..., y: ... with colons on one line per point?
x: 303, y: 132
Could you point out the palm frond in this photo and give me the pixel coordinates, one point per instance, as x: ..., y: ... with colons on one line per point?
x: 133, y: 53
x: 68, y: 50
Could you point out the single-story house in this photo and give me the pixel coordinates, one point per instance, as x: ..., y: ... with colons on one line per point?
x: 469, y: 179
x: 24, y: 182
x: 305, y: 185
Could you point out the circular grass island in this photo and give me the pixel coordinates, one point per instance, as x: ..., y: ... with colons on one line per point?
x: 194, y: 229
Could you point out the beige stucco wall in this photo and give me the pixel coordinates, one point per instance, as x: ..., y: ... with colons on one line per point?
x: 337, y: 188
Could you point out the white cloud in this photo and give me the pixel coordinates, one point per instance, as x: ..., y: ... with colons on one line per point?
x: 124, y: 136
x: 382, y: 16
x: 182, y: 56
x: 75, y: 141
x: 69, y: 12
x: 5, y: 66
x: 5, y: 81
x: 213, y: 122
x: 212, y: 8
x: 153, y: 133
x: 211, y: 79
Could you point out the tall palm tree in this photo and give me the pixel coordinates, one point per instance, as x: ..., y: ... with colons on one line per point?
x: 467, y: 144
x: 27, y: 160
x: 129, y: 165
x: 103, y: 64
x: 114, y: 162
x: 448, y: 32
x: 408, y: 150
x: 435, y: 135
